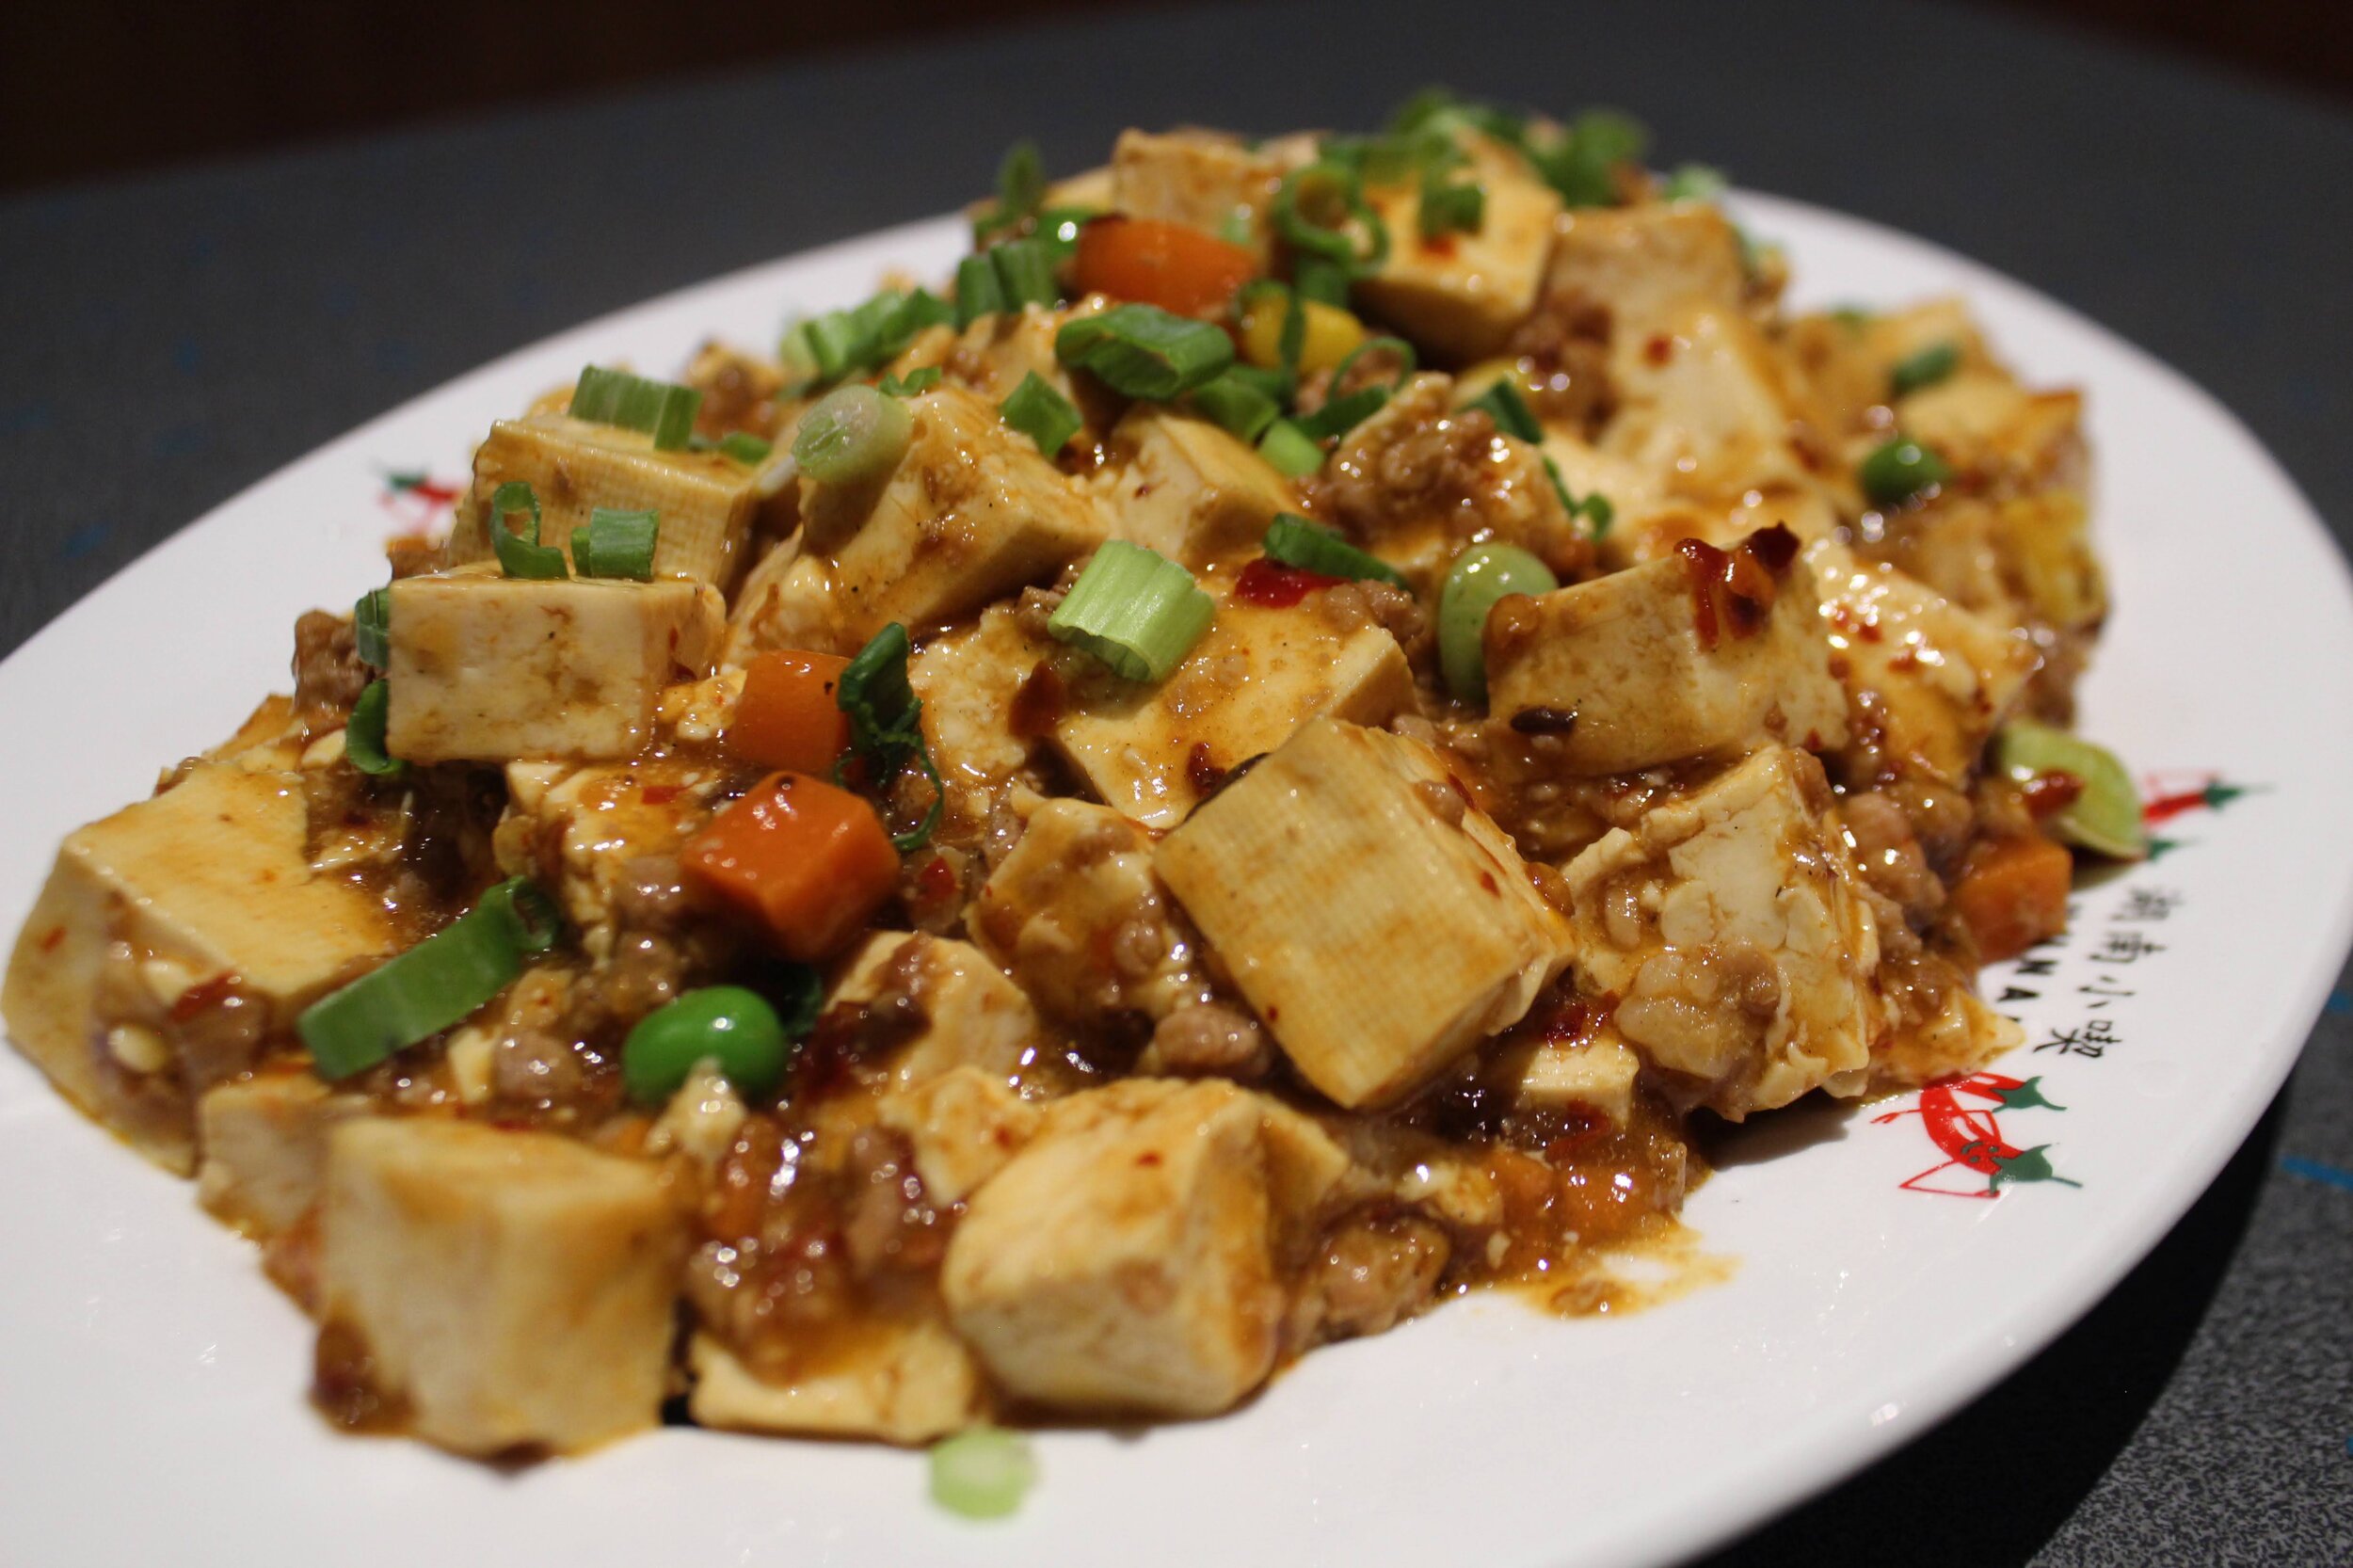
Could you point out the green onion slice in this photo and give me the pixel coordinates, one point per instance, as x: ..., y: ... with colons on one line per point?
x: 519, y: 551
x: 1695, y: 183
x: 1595, y: 505
x: 922, y: 380
x: 1509, y: 409
x: 1397, y: 348
x: 1144, y: 351
x: 1582, y: 165
x: 1293, y: 338
x: 1020, y: 191
x: 1932, y: 364
x: 746, y: 448
x: 1322, y: 279
x: 1138, y: 612
x: 1478, y: 578
x: 363, y: 734
x: 982, y: 1472
x: 661, y: 409
x: 1236, y: 403
x: 1291, y: 449
x: 372, y: 628
x: 1900, y: 472
x: 1339, y: 415
x: 1449, y: 209
x: 1296, y: 542
x: 979, y: 289
x: 1321, y: 210
x: 2105, y: 818
x: 1042, y: 413
x: 616, y: 544
x: 885, y: 718
x: 439, y: 982
x: 1025, y: 272
x: 855, y: 434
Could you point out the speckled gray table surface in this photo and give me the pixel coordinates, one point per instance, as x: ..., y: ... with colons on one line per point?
x: 166, y: 341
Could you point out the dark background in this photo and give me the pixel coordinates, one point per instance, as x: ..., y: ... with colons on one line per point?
x: 114, y: 86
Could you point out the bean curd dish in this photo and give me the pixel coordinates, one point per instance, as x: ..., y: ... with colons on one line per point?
x: 1295, y: 740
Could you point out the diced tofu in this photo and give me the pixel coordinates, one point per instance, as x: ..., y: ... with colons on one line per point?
x: 1958, y: 1035
x: 512, y: 1289
x: 1002, y: 349
x: 897, y: 1379
x: 1149, y: 750
x: 1704, y: 399
x: 1849, y: 361
x: 1732, y: 928
x: 487, y: 668
x: 1380, y: 925
x: 2027, y: 561
x: 1650, y: 531
x: 1125, y: 1260
x: 1077, y: 914
x: 968, y: 681
x: 962, y: 1125
x: 1944, y: 678
x: 1646, y: 263
x: 707, y: 503
x: 971, y: 513
x: 1188, y: 489
x: 1983, y: 419
x: 1596, y: 1074
x: 962, y: 1010
x: 264, y: 1142
x: 204, y: 881
x: 1211, y: 182
x: 582, y: 832
x: 1461, y: 295
x: 1669, y: 661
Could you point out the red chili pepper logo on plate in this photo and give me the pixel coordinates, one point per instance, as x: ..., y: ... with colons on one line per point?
x: 1970, y: 1137
x: 417, y: 497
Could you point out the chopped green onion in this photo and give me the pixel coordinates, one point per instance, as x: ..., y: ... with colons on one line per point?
x: 1322, y: 279
x: 1277, y: 385
x: 1595, y: 505
x: 1021, y: 190
x: 1854, y: 318
x: 1582, y: 166
x: 922, y: 380
x: 1025, y: 272
x: 1236, y: 403
x: 842, y: 342
x: 746, y: 448
x: 520, y: 553
x: 1291, y: 449
x: 1339, y: 415
x: 979, y: 290
x: 730, y: 1026
x: 982, y: 1472
x: 1503, y: 404
x: 1235, y: 227
x: 1479, y: 577
x: 852, y: 435
x: 1062, y: 224
x: 372, y: 626
x: 885, y: 718
x: 1316, y: 209
x: 1448, y: 209
x: 1292, y: 341
x: 1900, y: 472
x: 1397, y: 348
x: 1693, y: 183
x: 363, y: 734
x: 1041, y: 413
x: 661, y: 409
x: 616, y: 544
x: 439, y: 982
x: 1144, y: 351
x: 2105, y: 818
x: 1932, y: 364
x: 1138, y: 612
x: 1296, y: 542
x: 797, y: 354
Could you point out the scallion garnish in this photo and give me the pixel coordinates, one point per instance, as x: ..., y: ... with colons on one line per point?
x: 1025, y: 272
x: 616, y: 544
x: 363, y: 734
x: 979, y: 290
x: 1292, y: 341
x: 1321, y: 210
x: 1322, y: 279
x: 1930, y: 365
x: 520, y: 553
x: 1502, y: 403
x: 1291, y: 449
x: 1582, y: 164
x: 843, y: 343
x: 1900, y: 472
x: 1136, y: 611
x: 1693, y: 183
x: 372, y: 628
x: 1296, y: 542
x: 982, y: 1472
x: 746, y: 448
x: 1341, y: 414
x: 1144, y: 351
x: 439, y: 982
x: 922, y: 380
x: 1449, y: 208
x: 661, y: 409
x: 1595, y: 505
x: 886, y: 723
x: 1020, y: 191
x: 852, y: 435
x: 1396, y: 349
x: 1237, y: 405
x: 1041, y: 413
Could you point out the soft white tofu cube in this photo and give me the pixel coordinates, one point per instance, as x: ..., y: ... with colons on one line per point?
x: 1704, y: 400
x: 1645, y: 263
x: 962, y: 1125
x: 1187, y: 488
x: 264, y: 1142
x: 1732, y: 927
x: 1594, y: 1073
x: 1379, y: 924
x: 896, y: 1379
x: 1199, y: 178
x: 1703, y: 653
x: 487, y: 668
x: 510, y: 1289
x: 969, y: 681
x: 957, y: 1008
x: 1461, y: 295
x: 998, y: 351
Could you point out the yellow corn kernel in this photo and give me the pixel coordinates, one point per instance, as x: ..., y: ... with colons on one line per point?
x: 1332, y: 335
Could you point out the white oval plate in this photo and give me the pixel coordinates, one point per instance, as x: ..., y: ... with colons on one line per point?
x: 152, y: 1383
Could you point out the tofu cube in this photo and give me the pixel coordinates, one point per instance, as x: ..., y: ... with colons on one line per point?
x: 264, y: 1142
x: 1200, y: 178
x: 512, y: 1289
x: 1596, y: 1073
x: 999, y: 350
x: 1704, y: 654
x: 1188, y: 489
x: 487, y: 668
x: 1704, y: 400
x: 1379, y: 924
x: 1646, y: 264
x: 962, y: 1125
x: 1257, y: 674
x: 207, y: 880
x: 970, y: 514
x: 1461, y: 295
x: 1731, y: 925
x: 1942, y: 1029
x: 707, y: 503
x: 965, y: 1012
x: 969, y: 681
x: 896, y: 1379
x: 1124, y: 1260
x: 1945, y: 678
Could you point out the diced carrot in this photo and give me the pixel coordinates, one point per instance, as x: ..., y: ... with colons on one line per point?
x: 809, y: 861
x: 2013, y: 894
x: 1169, y: 265
x: 788, y: 718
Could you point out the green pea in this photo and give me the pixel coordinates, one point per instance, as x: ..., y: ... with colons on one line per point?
x: 1931, y: 365
x: 726, y: 1024
x: 1481, y: 575
x: 1901, y: 470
